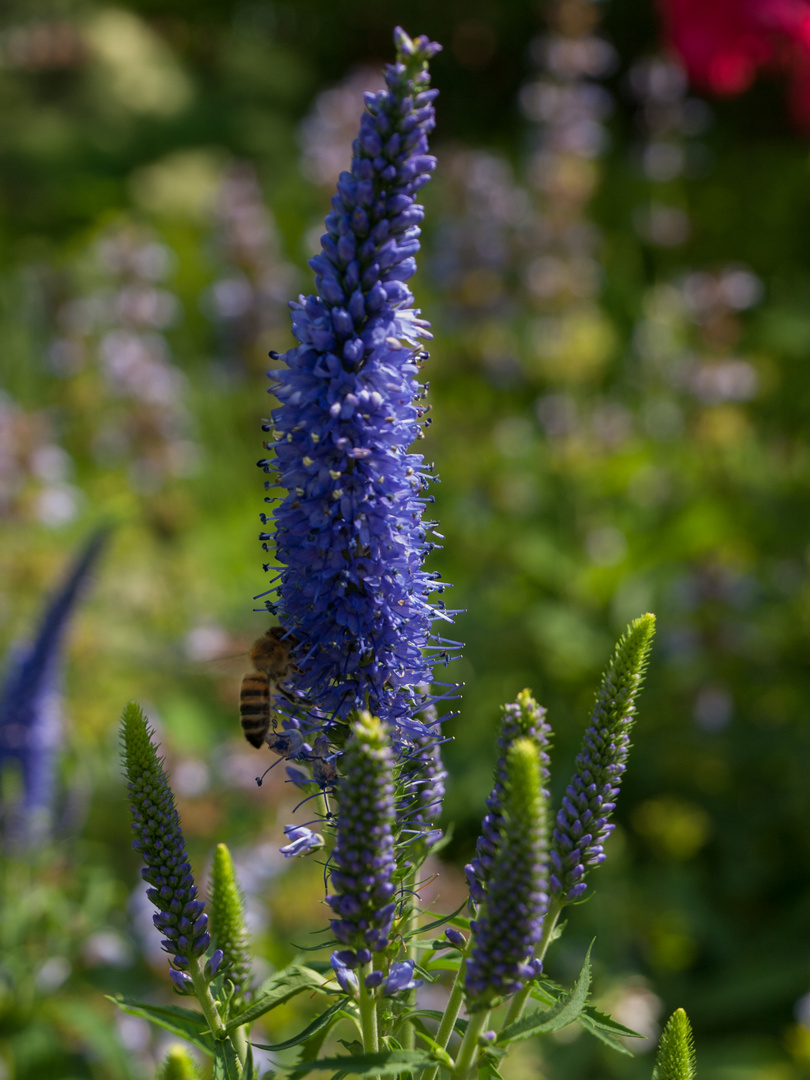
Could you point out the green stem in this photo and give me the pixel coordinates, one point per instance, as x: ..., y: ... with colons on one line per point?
x: 518, y: 1002
x: 468, y: 1051
x: 451, y: 1011
x: 368, y: 1013
x: 240, y: 1042
x: 409, y: 931
x: 205, y: 998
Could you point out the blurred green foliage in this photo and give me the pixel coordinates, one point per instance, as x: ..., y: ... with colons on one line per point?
x: 620, y: 398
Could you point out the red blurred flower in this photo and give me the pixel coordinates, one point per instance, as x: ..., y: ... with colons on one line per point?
x: 724, y: 43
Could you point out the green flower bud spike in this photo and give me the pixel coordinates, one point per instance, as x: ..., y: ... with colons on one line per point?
x: 676, y: 1051
x: 159, y: 839
x: 227, y: 913
x: 178, y: 1065
x: 583, y: 823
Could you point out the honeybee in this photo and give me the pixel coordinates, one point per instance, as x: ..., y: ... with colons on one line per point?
x: 270, y: 656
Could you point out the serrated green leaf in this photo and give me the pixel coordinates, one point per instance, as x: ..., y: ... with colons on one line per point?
x: 325, y: 1020
x: 190, y: 1025
x: 488, y: 1071
x: 559, y: 1015
x: 605, y: 1036
x: 384, y: 1063
x: 607, y: 1023
x: 226, y: 1062
x: 280, y: 988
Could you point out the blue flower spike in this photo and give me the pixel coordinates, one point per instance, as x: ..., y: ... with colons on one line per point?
x: 583, y: 821
x: 31, y: 728
x: 349, y: 533
x: 510, y: 922
x: 363, y: 862
x: 524, y: 718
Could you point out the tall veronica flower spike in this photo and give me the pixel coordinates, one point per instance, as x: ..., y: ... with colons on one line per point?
x: 349, y: 533
x: 583, y: 821
x: 523, y: 718
x: 511, y: 920
x: 363, y: 862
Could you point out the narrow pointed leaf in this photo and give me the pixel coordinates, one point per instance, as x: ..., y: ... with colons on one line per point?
x: 325, y: 1020
x: 184, y: 1022
x: 592, y: 1018
x: 604, y: 1035
x: 280, y: 988
x: 560, y: 1015
x: 442, y: 921
x: 226, y: 1063
x: 384, y: 1063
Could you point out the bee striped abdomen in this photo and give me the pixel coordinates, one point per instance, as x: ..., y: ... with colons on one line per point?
x: 254, y: 707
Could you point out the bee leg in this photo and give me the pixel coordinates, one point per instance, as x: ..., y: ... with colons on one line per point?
x: 287, y: 694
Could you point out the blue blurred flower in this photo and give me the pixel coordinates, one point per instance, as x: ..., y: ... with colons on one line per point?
x: 349, y: 533
x: 30, y: 704
x: 301, y: 841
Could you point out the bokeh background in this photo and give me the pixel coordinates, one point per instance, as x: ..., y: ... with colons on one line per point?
x: 616, y: 265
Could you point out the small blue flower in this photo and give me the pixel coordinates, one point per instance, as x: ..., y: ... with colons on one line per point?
x: 455, y: 937
x: 212, y: 964
x: 400, y: 977
x: 301, y: 841
x: 346, y: 978
x: 349, y: 535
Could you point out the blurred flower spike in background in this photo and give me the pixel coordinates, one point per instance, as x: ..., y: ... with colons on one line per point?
x: 349, y: 533
x: 31, y: 722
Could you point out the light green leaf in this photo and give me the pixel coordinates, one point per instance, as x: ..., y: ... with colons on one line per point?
x: 278, y: 989
x: 559, y: 1015
x: 325, y: 1020
x: 385, y: 1063
x: 188, y: 1024
x: 226, y: 1063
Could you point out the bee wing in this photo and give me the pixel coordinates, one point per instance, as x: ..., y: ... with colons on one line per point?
x: 236, y: 664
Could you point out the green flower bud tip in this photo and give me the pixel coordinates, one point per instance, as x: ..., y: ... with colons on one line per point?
x: 523, y: 718
x: 676, y: 1051
x: 178, y: 1065
x: 159, y: 839
x: 226, y: 905
x: 511, y: 921
x: 583, y: 821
